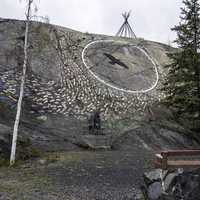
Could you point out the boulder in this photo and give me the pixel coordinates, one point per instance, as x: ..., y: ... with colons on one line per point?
x: 95, y: 141
x: 168, y: 181
x: 187, y: 185
x: 177, y: 185
x: 154, y: 190
x: 153, y: 176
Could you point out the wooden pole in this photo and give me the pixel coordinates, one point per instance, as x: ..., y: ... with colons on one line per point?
x: 19, y: 103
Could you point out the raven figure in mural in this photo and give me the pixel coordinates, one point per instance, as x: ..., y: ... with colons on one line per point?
x: 114, y: 61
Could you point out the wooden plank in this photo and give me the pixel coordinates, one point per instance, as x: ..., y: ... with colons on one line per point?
x: 181, y: 153
x: 163, y: 160
x: 160, y: 161
x: 183, y: 164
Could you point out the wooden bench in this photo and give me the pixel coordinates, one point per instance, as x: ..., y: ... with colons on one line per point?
x: 175, y: 159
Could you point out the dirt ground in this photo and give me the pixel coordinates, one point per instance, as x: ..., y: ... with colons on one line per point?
x: 77, y: 175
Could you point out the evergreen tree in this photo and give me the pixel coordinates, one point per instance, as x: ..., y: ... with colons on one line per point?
x: 182, y: 85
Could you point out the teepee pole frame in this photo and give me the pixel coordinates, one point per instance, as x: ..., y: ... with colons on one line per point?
x: 125, y: 29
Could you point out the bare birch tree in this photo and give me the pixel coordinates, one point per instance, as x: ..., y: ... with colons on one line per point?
x: 19, y: 104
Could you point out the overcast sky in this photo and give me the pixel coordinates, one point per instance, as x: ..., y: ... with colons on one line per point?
x: 150, y: 19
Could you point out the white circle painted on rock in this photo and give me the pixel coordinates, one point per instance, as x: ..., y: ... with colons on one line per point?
x: 148, y: 57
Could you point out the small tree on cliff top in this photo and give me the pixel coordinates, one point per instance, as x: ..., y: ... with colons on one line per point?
x: 182, y: 85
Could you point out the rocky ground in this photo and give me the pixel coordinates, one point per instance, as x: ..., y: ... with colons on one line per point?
x: 84, y: 175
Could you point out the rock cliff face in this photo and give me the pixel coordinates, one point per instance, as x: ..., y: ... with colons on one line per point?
x: 61, y: 79
x: 71, y: 74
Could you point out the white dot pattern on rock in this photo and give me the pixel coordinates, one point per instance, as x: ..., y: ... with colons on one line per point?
x: 57, y: 80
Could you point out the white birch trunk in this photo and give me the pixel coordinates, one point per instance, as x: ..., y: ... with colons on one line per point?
x: 19, y: 103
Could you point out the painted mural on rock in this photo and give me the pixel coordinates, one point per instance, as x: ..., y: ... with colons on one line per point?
x: 59, y: 78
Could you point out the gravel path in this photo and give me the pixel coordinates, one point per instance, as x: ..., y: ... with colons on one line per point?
x: 83, y: 175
